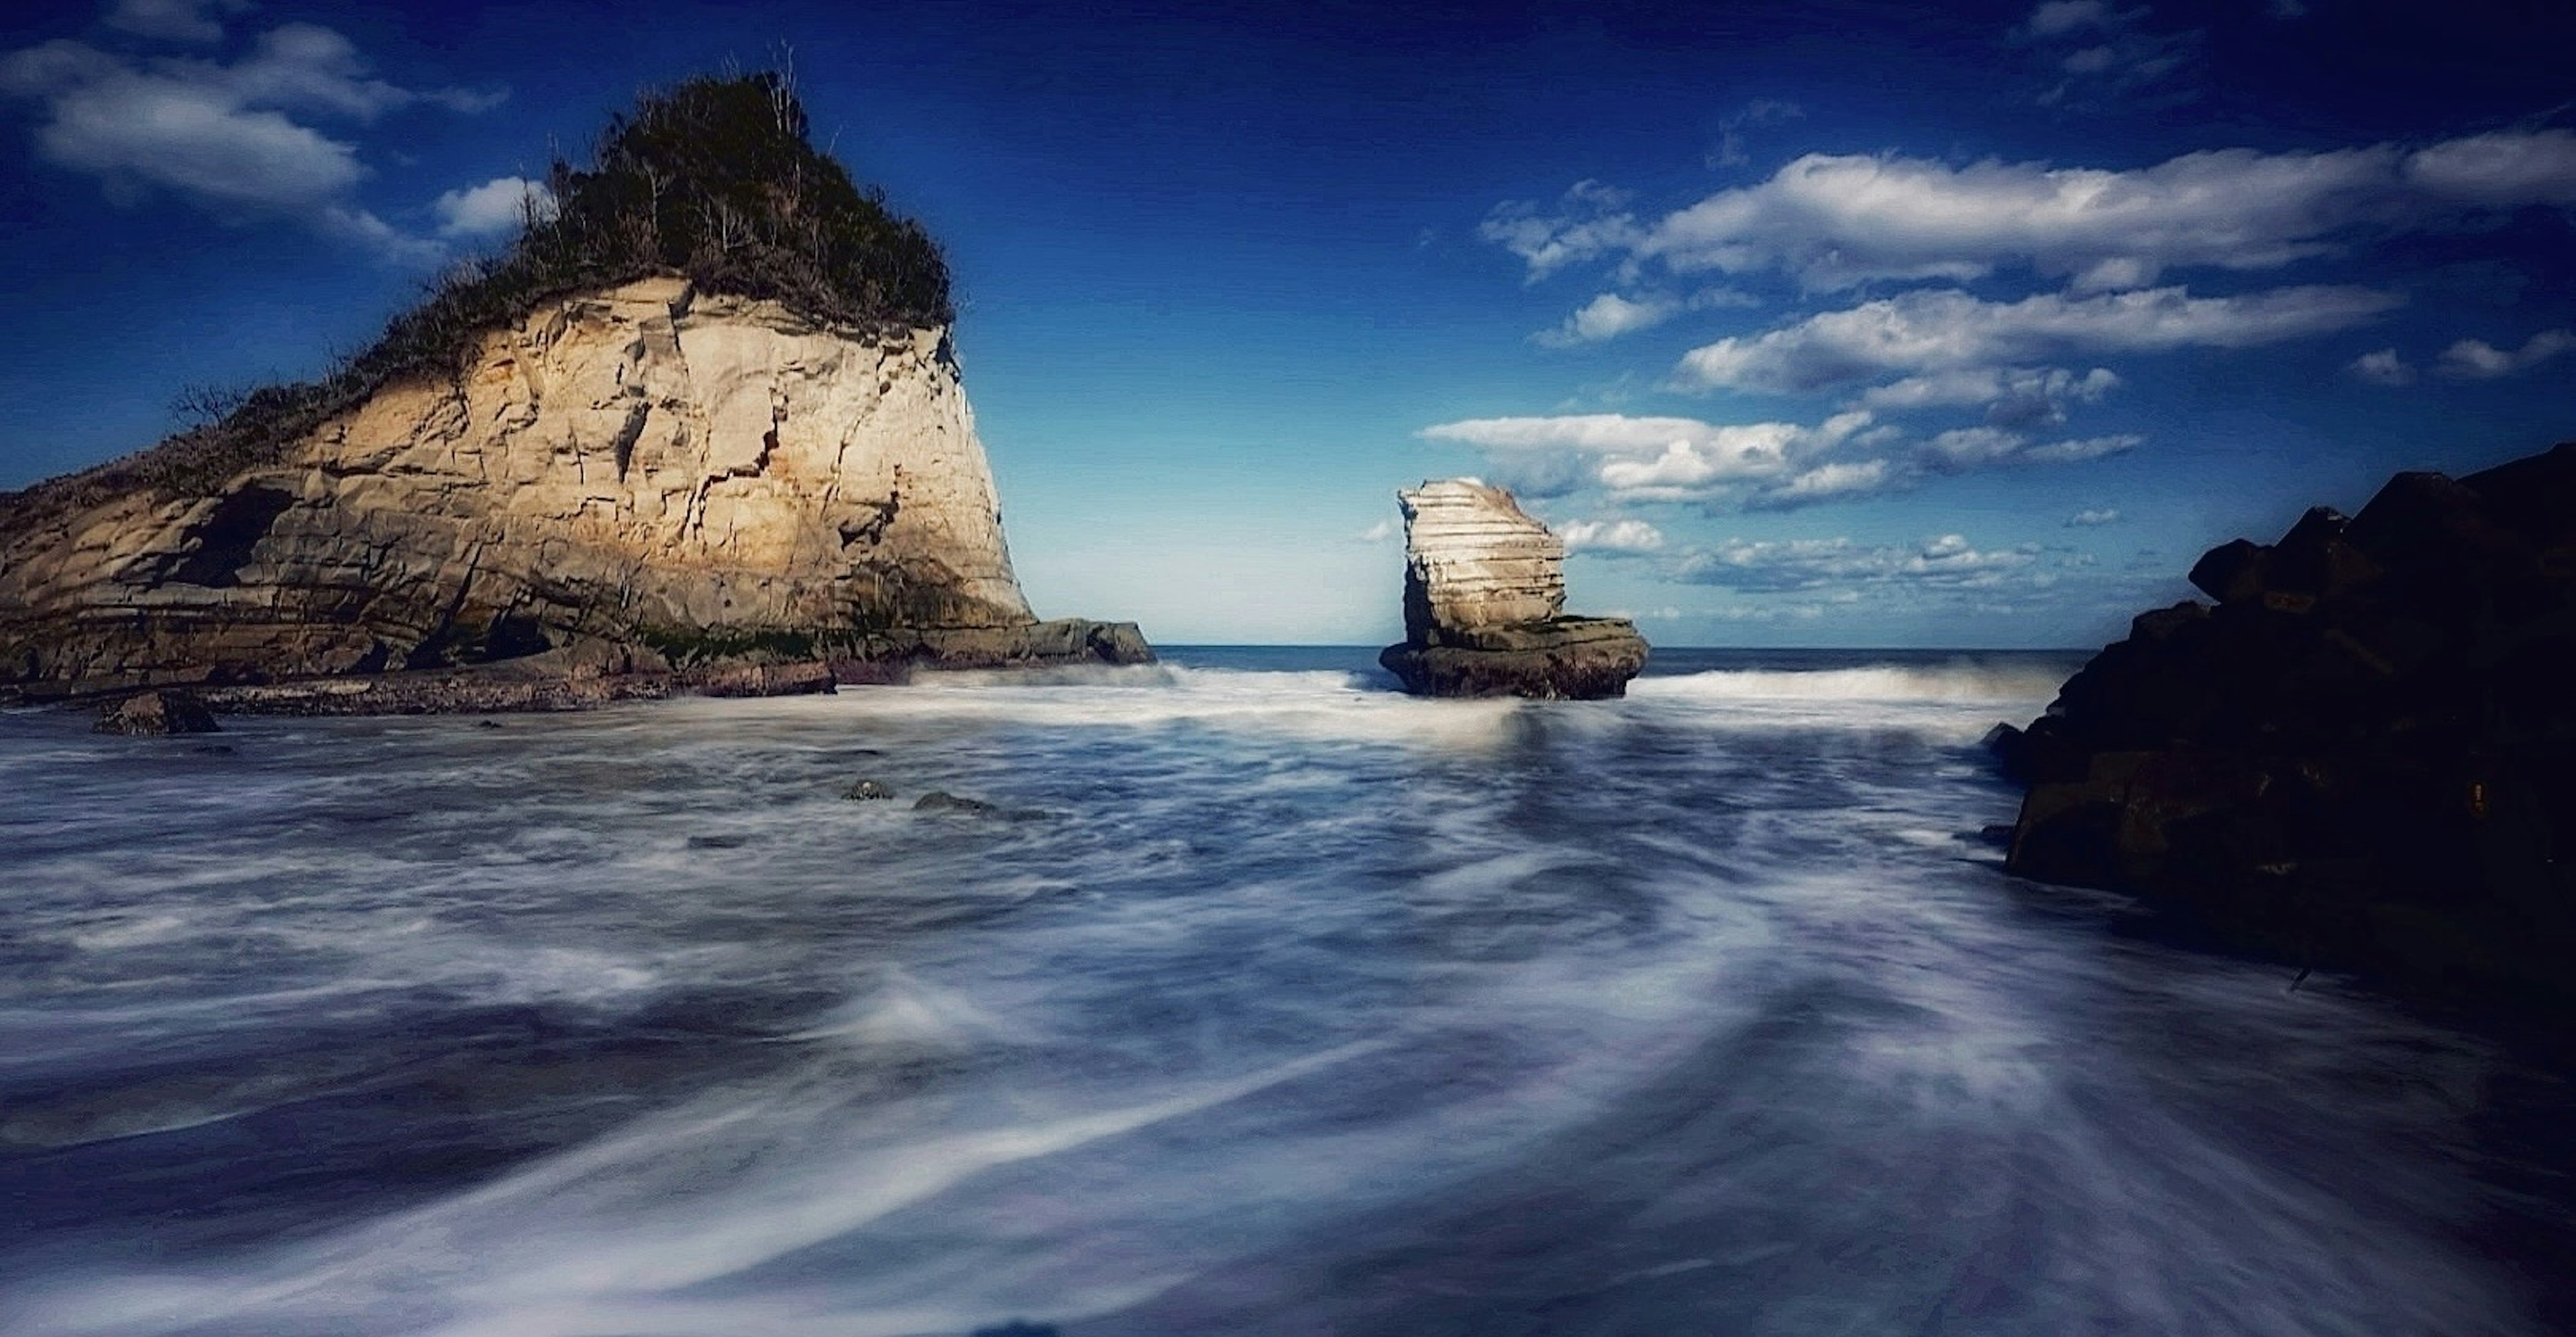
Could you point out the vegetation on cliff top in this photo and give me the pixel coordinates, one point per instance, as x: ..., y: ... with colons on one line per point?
x: 715, y: 178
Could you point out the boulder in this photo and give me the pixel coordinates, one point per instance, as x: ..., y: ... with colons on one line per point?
x: 1484, y: 598
x: 2360, y: 757
x: 156, y: 714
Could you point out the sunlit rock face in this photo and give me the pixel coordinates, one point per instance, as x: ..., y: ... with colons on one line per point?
x: 1484, y: 594
x: 692, y: 477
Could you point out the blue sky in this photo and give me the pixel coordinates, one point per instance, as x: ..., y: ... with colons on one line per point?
x: 1858, y: 324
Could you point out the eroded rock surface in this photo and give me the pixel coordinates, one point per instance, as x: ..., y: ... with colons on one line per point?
x: 2363, y: 756
x: 694, y: 480
x: 1484, y: 599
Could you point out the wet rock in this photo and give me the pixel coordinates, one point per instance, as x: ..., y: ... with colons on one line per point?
x: 748, y: 680
x: 2364, y: 756
x: 156, y: 714
x: 867, y: 790
x: 941, y: 801
x: 1484, y: 594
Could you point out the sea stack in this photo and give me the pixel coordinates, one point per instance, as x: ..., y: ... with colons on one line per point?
x: 2359, y: 757
x: 620, y: 451
x: 1484, y: 599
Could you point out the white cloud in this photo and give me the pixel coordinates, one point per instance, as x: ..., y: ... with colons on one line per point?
x: 1947, y: 561
x: 2086, y: 448
x: 173, y: 20
x: 1591, y: 220
x: 1654, y: 459
x: 2087, y: 519
x: 2384, y: 367
x: 1972, y: 447
x: 2013, y: 397
x: 2478, y: 360
x: 1928, y: 331
x: 1763, y: 465
x: 1610, y: 536
x: 1836, y: 220
x: 496, y: 207
x: 231, y: 138
x: 1607, y: 317
x: 1380, y: 532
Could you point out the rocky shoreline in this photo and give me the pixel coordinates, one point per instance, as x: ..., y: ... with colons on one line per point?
x: 2362, y: 756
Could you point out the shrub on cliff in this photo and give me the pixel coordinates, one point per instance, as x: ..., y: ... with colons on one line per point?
x: 714, y: 178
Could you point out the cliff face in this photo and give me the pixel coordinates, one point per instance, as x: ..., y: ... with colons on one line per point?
x: 1484, y: 594
x: 690, y: 477
x: 1472, y: 559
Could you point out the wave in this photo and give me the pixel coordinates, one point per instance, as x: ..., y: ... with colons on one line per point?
x: 1966, y: 682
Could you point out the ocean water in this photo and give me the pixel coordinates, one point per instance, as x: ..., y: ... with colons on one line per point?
x: 1270, y: 1001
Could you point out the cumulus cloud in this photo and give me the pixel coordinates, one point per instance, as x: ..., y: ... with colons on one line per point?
x: 237, y: 138
x: 1833, y: 221
x: 1607, y: 317
x: 1928, y: 331
x: 1659, y: 459
x: 2384, y: 367
x: 1946, y: 561
x: 1610, y: 536
x: 1763, y: 465
x: 492, y: 209
x: 1380, y: 532
x: 2090, y: 518
x: 2478, y: 360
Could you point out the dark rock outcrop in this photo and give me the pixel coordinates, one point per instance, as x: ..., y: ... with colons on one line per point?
x: 1484, y: 594
x: 156, y: 714
x: 2363, y: 756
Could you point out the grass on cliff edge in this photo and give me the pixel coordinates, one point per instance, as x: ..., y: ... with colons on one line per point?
x: 714, y: 178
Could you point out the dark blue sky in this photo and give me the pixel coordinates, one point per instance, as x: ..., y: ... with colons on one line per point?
x: 1858, y: 324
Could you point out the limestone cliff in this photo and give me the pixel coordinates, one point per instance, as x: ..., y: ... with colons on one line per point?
x: 683, y: 477
x: 1484, y: 598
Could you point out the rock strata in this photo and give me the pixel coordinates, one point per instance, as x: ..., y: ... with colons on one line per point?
x: 1484, y: 598
x: 695, y: 480
x: 2363, y: 755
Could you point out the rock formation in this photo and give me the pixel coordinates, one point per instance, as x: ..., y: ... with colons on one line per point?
x: 2363, y: 756
x: 699, y: 426
x: 1484, y: 594
x: 693, y: 478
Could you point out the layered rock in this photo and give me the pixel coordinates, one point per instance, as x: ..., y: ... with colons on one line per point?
x: 687, y: 480
x: 1484, y: 598
x: 2364, y: 755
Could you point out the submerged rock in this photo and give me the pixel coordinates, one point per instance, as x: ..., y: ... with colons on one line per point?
x: 157, y: 714
x: 2363, y: 756
x: 1484, y: 594
x: 940, y: 800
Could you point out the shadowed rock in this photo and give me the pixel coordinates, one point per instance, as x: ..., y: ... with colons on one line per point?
x: 157, y: 714
x: 1484, y: 593
x: 2363, y: 756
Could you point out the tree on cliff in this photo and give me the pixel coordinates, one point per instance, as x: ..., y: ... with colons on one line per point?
x: 715, y: 178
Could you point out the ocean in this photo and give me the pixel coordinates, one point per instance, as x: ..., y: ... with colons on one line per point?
x: 1263, y: 999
